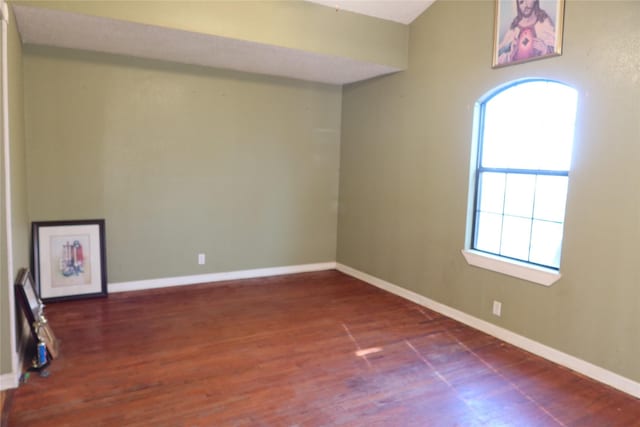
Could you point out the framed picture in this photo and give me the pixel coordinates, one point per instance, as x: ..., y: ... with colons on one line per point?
x: 33, y: 310
x: 28, y: 299
x: 69, y: 259
x: 45, y: 334
x: 526, y: 30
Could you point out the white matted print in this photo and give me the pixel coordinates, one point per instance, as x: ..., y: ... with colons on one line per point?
x: 69, y: 259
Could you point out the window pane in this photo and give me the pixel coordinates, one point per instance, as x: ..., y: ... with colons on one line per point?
x: 519, y: 195
x: 489, y: 229
x: 546, y: 242
x: 492, y: 192
x: 525, y: 129
x: 551, y: 198
x: 515, y: 237
x: 530, y: 126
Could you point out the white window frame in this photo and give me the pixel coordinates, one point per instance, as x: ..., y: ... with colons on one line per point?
x: 511, y: 267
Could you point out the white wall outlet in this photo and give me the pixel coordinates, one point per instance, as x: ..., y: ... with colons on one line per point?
x: 497, y: 308
x: 201, y: 259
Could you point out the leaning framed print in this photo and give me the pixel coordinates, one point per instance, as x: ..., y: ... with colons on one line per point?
x: 28, y: 299
x: 525, y: 30
x: 33, y: 310
x: 69, y: 259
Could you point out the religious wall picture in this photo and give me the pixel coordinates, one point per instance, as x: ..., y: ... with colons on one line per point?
x: 69, y: 259
x: 526, y: 30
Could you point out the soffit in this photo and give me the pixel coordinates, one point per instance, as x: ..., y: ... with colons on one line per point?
x: 51, y: 27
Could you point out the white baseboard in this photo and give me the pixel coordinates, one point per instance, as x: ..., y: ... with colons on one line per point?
x: 12, y: 379
x: 8, y: 381
x: 217, y: 277
x: 590, y: 370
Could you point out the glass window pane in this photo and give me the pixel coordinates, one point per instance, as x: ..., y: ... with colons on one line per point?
x: 492, y: 192
x: 498, y: 148
x: 526, y: 127
x: 530, y: 126
x: 551, y: 198
x: 488, y: 231
x: 519, y: 195
x: 546, y: 243
x: 515, y: 237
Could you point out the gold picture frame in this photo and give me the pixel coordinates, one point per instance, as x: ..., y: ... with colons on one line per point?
x: 46, y: 335
x: 526, y: 30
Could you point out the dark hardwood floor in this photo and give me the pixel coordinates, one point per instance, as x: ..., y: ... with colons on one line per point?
x: 313, y: 349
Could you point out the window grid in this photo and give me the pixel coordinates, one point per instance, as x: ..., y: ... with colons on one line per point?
x: 531, y: 218
x: 528, y: 224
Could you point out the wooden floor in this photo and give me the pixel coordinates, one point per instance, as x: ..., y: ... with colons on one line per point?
x: 313, y: 349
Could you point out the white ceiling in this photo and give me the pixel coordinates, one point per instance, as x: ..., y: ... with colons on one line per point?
x: 50, y: 27
x: 402, y: 11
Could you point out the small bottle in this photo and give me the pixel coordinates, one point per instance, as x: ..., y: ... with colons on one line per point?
x: 42, y: 354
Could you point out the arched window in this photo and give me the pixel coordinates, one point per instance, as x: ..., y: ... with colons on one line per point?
x: 525, y: 138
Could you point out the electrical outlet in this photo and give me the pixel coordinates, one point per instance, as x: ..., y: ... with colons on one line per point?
x: 201, y: 259
x: 497, y: 308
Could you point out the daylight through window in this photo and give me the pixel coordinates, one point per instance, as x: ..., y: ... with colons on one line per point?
x: 524, y: 155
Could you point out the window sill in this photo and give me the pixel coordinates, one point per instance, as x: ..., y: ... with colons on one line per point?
x: 539, y: 275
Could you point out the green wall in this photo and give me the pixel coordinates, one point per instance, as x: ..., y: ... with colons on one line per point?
x: 20, y: 222
x: 406, y: 142
x: 181, y: 160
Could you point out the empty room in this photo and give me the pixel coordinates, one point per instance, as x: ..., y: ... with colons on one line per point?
x: 320, y: 213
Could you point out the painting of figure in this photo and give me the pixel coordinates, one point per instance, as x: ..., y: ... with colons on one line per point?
x: 526, y: 30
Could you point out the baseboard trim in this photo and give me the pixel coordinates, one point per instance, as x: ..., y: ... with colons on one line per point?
x: 12, y: 379
x: 9, y: 381
x: 588, y: 369
x: 217, y: 277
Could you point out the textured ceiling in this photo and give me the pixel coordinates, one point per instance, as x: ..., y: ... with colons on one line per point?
x: 402, y: 11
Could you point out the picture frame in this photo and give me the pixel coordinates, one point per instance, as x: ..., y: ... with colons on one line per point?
x: 28, y: 299
x: 526, y: 30
x: 33, y: 309
x: 46, y: 335
x: 69, y: 259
